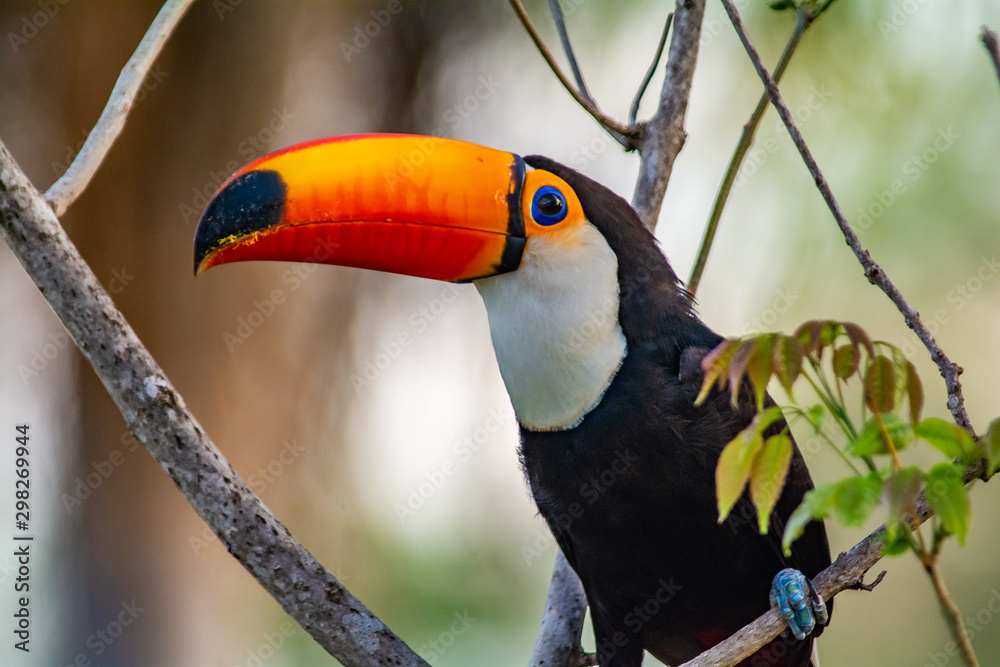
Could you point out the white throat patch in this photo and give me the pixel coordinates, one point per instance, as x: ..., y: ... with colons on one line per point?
x: 555, y: 330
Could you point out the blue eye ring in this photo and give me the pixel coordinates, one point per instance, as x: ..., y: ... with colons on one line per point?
x: 548, y: 206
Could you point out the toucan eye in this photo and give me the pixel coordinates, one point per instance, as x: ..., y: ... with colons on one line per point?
x: 548, y: 206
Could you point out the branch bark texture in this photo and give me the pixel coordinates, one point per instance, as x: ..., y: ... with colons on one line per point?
x: 157, y: 416
x: 664, y: 136
x: 558, y: 640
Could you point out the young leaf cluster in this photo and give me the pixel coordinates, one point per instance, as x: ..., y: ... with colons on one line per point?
x: 829, y: 356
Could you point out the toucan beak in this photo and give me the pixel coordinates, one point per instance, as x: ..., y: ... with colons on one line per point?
x: 420, y: 206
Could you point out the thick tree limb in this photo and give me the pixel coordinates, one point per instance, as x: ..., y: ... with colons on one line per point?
x: 875, y: 274
x: 71, y: 184
x: 847, y: 572
x: 664, y: 135
x: 157, y: 416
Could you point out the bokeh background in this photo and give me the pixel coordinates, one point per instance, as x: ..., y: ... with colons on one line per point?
x: 343, y: 431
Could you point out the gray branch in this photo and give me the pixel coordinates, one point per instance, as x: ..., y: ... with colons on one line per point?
x: 662, y: 140
x: 664, y: 136
x: 559, y: 636
x: 71, y: 184
x: 157, y: 416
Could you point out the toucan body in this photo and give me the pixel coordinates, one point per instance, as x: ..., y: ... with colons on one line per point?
x: 599, y: 348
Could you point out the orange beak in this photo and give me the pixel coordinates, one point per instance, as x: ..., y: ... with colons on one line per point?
x: 420, y: 206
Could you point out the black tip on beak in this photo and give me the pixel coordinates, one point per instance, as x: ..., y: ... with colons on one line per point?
x: 249, y: 203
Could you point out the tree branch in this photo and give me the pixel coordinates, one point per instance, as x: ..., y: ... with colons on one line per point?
x: 950, y: 371
x: 557, y: 17
x: 847, y: 572
x: 992, y: 44
x: 662, y: 140
x: 624, y: 134
x: 558, y: 640
x: 157, y: 416
x: 664, y: 135
x: 71, y: 184
x: 802, y: 23
x: 633, y: 111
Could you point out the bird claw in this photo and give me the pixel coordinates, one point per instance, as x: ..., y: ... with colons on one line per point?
x: 793, y: 595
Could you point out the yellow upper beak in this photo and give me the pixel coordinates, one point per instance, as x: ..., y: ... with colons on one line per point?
x: 421, y: 206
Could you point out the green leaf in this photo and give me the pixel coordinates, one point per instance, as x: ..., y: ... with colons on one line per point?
x: 914, y: 393
x: 733, y: 469
x: 880, y: 384
x: 899, y: 493
x: 856, y: 497
x: 815, y: 416
x: 948, y: 497
x: 759, y: 366
x: 845, y: 361
x: 871, y: 442
x: 816, y: 504
x: 767, y: 476
x: 715, y: 365
x: 895, y: 539
x: 950, y: 439
x: 787, y: 359
x: 993, y: 446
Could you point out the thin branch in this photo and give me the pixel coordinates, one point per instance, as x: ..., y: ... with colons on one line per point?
x: 802, y: 23
x: 634, y: 109
x: 157, y: 416
x: 950, y: 371
x: 992, y: 44
x: 664, y: 136
x: 65, y: 191
x: 847, y: 572
x: 952, y: 614
x: 557, y: 17
x: 558, y: 640
x: 624, y: 134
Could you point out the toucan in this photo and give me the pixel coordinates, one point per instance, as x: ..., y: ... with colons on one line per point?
x: 600, y: 350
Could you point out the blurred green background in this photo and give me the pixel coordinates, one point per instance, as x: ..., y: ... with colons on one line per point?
x: 344, y: 432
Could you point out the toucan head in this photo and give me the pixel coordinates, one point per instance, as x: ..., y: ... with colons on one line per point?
x: 454, y: 211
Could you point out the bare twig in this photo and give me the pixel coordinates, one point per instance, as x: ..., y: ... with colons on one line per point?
x: 992, y: 44
x: 950, y: 371
x: 557, y: 17
x: 157, y: 416
x: 69, y: 186
x: 802, y: 22
x: 625, y: 134
x: 558, y: 640
x: 847, y: 572
x: 634, y: 109
x: 664, y: 135
x: 952, y: 614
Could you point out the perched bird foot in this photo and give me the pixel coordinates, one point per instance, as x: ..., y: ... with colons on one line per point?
x: 792, y: 593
